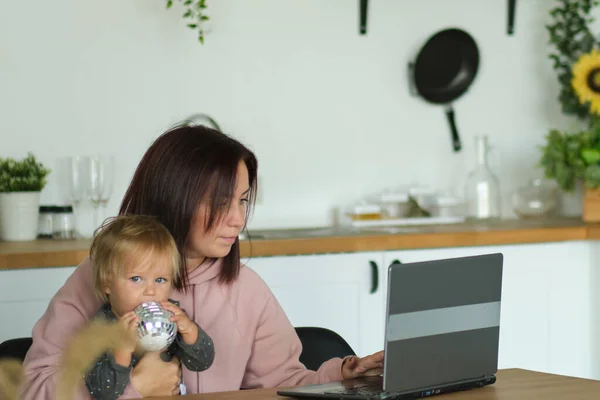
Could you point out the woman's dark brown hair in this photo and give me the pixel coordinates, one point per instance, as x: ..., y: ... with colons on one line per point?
x: 185, y: 167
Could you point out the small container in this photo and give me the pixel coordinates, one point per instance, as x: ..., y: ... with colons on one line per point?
x: 448, y: 207
x: 63, y: 223
x: 45, y: 220
x: 425, y: 197
x: 536, y: 200
x: 394, y: 205
x: 362, y: 212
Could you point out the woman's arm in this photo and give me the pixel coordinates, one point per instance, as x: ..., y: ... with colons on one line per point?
x: 275, y: 357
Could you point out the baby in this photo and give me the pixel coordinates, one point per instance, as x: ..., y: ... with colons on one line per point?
x: 135, y: 260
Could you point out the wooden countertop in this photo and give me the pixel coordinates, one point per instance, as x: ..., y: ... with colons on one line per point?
x: 54, y: 253
x: 510, y: 384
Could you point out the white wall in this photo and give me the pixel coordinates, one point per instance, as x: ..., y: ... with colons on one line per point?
x: 327, y: 111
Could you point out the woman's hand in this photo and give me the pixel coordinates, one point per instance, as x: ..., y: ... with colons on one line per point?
x: 144, y: 376
x: 185, y: 326
x: 354, y: 366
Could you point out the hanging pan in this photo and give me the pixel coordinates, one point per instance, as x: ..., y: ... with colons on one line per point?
x: 443, y: 71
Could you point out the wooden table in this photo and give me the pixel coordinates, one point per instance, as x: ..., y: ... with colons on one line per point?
x: 511, y: 384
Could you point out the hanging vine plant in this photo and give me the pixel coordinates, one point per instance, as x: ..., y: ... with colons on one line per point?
x: 194, y: 14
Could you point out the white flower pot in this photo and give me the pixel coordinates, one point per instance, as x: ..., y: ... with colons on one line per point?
x: 19, y: 212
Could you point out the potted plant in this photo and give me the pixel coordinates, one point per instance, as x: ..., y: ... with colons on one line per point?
x: 571, y: 157
x: 20, y: 185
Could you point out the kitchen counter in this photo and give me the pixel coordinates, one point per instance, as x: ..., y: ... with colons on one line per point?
x: 50, y: 253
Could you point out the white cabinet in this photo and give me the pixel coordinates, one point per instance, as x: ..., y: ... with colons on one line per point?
x: 341, y: 292
x: 573, y: 334
x: 24, y: 297
x: 594, y: 287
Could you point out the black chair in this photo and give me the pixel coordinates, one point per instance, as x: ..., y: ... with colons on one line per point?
x: 320, y: 345
x: 15, y: 348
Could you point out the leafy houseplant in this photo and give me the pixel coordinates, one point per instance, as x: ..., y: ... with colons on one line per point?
x: 568, y: 157
x: 194, y: 13
x: 22, y: 176
x: 20, y: 185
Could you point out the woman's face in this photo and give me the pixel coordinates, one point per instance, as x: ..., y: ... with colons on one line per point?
x: 217, y: 242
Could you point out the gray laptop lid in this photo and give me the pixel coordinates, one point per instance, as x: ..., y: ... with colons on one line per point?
x: 443, y: 322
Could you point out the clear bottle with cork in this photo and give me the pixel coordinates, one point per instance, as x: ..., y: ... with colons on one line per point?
x: 482, y: 191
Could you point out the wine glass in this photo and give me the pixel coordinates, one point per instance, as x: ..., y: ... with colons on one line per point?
x: 109, y: 180
x: 99, y: 181
x: 75, y: 182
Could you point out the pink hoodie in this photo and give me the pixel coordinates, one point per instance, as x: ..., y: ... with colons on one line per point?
x: 255, y: 344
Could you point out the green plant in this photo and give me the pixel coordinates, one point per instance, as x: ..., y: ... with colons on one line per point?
x: 568, y: 157
x: 570, y: 37
x: 195, y: 14
x: 22, y: 176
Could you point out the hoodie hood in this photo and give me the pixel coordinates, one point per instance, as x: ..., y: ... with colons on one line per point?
x: 209, y: 269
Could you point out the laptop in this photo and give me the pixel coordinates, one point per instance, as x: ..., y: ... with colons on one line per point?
x: 442, y: 332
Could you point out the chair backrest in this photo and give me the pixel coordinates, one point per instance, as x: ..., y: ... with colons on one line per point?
x: 15, y: 348
x: 320, y: 345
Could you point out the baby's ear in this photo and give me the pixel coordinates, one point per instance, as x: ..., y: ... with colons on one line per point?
x: 106, y: 289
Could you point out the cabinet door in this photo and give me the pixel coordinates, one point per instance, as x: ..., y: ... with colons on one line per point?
x: 594, y: 288
x: 341, y: 292
x: 573, y: 331
x: 24, y: 297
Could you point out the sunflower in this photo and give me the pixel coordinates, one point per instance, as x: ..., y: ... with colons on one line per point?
x: 586, y: 80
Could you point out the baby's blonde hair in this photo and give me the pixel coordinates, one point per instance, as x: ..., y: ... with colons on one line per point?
x: 126, y: 236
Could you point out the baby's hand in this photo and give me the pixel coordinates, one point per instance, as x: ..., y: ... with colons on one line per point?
x: 130, y: 322
x: 185, y: 326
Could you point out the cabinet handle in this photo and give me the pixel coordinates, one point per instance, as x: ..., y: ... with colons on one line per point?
x: 374, y: 276
x: 396, y: 261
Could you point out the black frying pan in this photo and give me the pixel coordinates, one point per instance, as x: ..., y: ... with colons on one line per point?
x: 444, y: 69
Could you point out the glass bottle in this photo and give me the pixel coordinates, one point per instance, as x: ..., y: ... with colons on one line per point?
x: 482, y: 188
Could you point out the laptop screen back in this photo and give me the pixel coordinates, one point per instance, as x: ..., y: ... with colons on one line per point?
x: 443, y: 322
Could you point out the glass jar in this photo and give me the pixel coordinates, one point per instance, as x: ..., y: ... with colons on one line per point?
x: 536, y: 200
x: 393, y: 204
x: 63, y: 223
x: 45, y: 220
x: 482, y: 189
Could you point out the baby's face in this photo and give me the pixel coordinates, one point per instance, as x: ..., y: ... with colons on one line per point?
x: 144, y: 279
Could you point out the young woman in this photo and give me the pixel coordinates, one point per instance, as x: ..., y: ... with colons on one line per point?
x: 199, y: 183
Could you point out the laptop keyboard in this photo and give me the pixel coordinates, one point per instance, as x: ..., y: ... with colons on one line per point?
x: 358, y: 391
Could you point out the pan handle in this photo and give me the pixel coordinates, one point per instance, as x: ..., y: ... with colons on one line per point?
x: 455, y: 139
x: 364, y: 6
x: 512, y: 5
